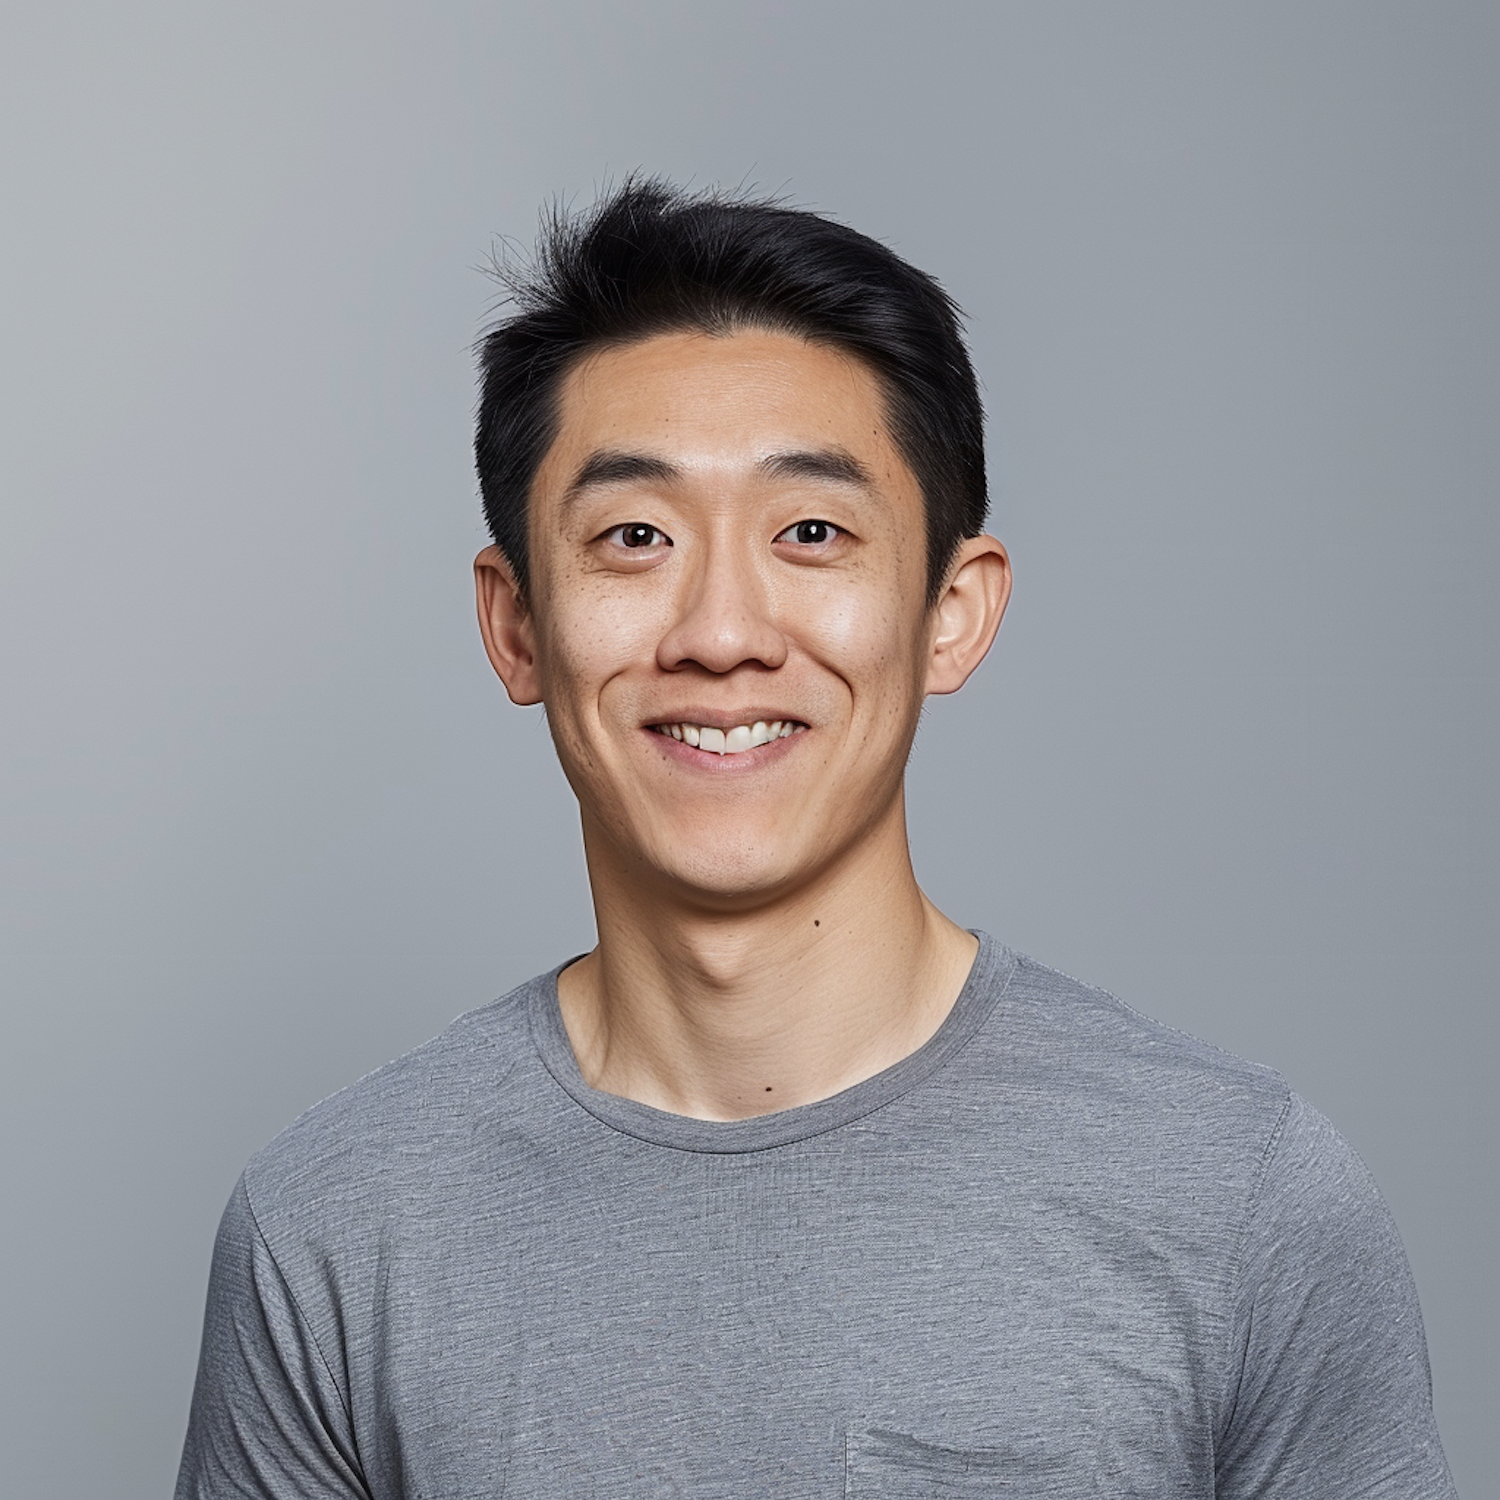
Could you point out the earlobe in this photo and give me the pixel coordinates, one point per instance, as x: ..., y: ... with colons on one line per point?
x: 969, y: 613
x: 507, y: 626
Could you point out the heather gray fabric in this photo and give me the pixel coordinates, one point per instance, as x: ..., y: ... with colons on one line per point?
x: 1059, y: 1251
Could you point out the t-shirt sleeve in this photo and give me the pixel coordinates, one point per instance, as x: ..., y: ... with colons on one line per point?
x: 268, y: 1420
x: 1332, y: 1395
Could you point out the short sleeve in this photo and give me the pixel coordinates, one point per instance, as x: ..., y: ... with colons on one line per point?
x: 1333, y: 1396
x: 267, y: 1419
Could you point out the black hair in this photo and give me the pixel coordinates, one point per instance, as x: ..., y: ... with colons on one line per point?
x: 650, y: 258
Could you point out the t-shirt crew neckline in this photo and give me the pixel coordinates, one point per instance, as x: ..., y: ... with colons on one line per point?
x: 981, y: 994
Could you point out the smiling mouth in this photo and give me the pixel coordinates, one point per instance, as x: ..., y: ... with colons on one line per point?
x: 732, y: 741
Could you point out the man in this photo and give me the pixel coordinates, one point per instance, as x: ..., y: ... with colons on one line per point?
x: 792, y: 1187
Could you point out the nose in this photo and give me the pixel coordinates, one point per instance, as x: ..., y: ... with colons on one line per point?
x: 723, y: 617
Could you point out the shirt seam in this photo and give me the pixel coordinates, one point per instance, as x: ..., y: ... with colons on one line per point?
x: 1234, y: 1377
x: 312, y: 1331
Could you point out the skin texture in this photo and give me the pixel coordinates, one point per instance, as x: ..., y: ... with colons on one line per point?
x: 762, y: 939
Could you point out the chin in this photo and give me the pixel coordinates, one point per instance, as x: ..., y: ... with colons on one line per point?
x: 722, y: 875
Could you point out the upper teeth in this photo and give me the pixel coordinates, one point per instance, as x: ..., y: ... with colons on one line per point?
x: 730, y: 741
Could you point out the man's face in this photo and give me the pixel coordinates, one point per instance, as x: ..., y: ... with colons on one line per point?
x: 727, y: 622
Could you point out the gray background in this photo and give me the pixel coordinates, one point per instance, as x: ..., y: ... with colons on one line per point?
x: 268, y: 820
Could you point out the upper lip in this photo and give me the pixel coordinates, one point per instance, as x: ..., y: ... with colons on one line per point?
x: 719, y: 719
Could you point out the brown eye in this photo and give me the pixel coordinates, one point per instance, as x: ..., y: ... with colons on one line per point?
x: 638, y: 534
x: 810, y: 533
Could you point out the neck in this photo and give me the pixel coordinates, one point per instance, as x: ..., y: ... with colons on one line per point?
x: 725, y: 1014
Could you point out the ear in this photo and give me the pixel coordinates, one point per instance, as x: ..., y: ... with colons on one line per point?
x: 969, y: 612
x: 507, y: 626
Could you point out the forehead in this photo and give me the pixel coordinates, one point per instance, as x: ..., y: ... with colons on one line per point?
x: 732, y: 395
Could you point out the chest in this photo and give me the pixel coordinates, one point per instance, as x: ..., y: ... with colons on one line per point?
x: 793, y: 1329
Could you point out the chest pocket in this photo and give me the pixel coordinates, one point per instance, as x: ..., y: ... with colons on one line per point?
x: 884, y: 1465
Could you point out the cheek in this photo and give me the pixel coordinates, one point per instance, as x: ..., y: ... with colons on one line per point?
x: 593, y: 637
x: 872, y: 636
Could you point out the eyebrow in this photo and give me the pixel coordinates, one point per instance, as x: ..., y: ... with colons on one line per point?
x: 610, y: 466
x: 826, y: 465
x: 823, y: 465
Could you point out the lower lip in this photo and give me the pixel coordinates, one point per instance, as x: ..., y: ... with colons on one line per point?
x: 685, y: 754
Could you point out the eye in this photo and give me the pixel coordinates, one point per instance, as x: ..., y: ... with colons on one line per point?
x: 811, y: 533
x: 637, y: 534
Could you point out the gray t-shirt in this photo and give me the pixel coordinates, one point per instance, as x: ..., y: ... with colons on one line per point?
x: 1061, y: 1250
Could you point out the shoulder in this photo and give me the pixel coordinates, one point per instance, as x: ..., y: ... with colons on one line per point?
x: 399, y: 1131
x: 1317, y: 1209
x: 1075, y: 1042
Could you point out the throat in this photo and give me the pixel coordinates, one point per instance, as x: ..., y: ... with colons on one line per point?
x: 743, y: 1026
